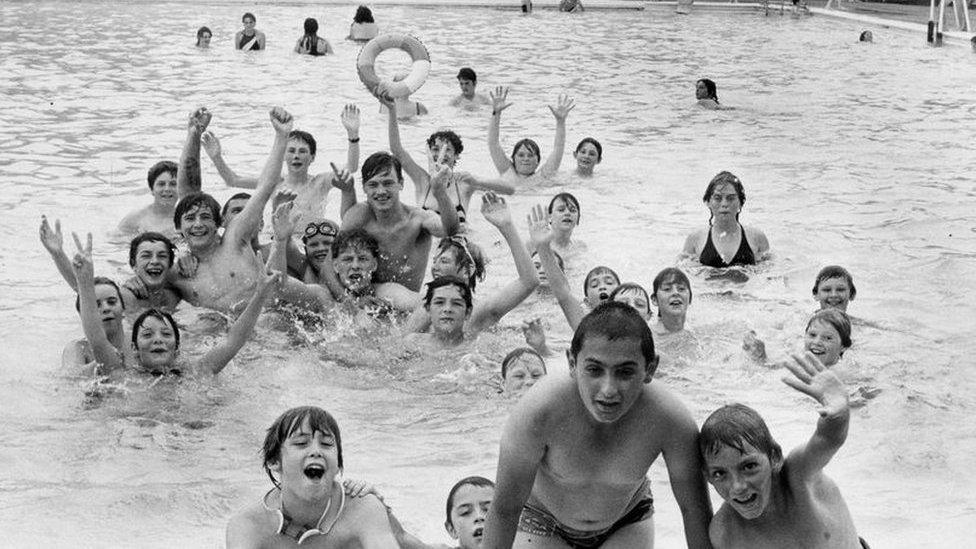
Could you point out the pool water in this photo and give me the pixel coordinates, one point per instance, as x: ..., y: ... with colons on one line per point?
x: 851, y: 154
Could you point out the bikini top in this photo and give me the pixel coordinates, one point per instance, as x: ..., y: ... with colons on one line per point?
x: 462, y: 216
x: 743, y: 256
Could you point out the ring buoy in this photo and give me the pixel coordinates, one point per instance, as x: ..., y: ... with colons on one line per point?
x: 418, y: 71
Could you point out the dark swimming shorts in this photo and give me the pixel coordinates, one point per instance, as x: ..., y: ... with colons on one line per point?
x: 537, y: 520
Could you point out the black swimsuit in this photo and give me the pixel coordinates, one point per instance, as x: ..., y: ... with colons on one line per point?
x: 743, y: 256
x: 462, y: 218
x: 245, y: 39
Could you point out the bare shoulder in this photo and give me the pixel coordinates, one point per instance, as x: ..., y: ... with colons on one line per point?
x: 246, y: 527
x: 664, y: 403
x: 757, y: 238
x: 695, y: 241
x: 548, y: 402
x: 720, y: 529
x: 367, y: 517
x: 817, y: 487
x: 356, y: 217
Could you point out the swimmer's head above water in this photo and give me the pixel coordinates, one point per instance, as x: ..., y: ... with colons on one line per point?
x: 526, y: 157
x: 724, y: 195
x: 706, y: 89
x: 151, y: 255
x: 448, y: 301
x: 866, y: 36
x: 204, y: 35
x: 671, y: 292
x: 540, y: 271
x: 834, y: 288
x: 615, y: 321
x: 446, y: 143
x: 363, y: 15
x: 467, y: 508
x: 634, y: 295
x: 828, y: 335
x: 311, y: 26
x: 156, y: 340
x: 468, y: 81
x: 564, y: 211
x: 293, y: 431
x: 197, y: 217
x: 588, y: 153
x: 456, y: 256
x: 521, y: 369
x: 599, y: 283
x: 354, y: 256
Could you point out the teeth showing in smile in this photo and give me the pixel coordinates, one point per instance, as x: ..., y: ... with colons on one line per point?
x: 747, y: 500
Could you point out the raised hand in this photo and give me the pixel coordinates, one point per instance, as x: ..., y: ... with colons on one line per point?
x: 563, y: 106
x: 359, y: 488
x: 271, y: 279
x: 342, y: 179
x: 350, y: 119
x: 534, y: 333
x: 210, y: 144
x: 495, y: 210
x: 442, y: 172
x: 540, y: 233
x: 52, y: 240
x: 82, y: 263
x: 283, y: 220
x: 382, y: 93
x: 281, y: 121
x: 499, y: 99
x: 199, y: 119
x: 811, y: 377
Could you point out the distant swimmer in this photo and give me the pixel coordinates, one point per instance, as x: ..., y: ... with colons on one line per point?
x: 707, y: 94
x: 772, y: 501
x: 526, y: 6
x: 526, y: 156
x: 866, y: 36
x: 588, y: 153
x: 204, y: 35
x: 311, y: 43
x: 363, y: 28
x: 158, y: 216
x: 571, y: 6
x: 726, y: 242
x: 834, y: 288
x: 249, y: 38
x: 575, y: 451
x: 403, y: 107
x: 469, y: 99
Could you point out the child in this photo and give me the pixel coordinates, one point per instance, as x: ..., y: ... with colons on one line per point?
x: 467, y: 508
x: 303, y: 458
x: 771, y: 502
x: 634, y: 295
x: 671, y: 294
x: 834, y: 288
x: 521, y: 369
x: 828, y: 335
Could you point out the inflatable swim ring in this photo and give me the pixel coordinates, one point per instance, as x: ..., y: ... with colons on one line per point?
x: 418, y: 71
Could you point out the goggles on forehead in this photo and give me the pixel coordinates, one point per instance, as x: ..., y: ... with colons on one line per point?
x: 324, y: 228
x: 461, y: 242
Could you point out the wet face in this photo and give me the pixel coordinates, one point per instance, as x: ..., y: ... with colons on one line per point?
x: 447, y: 310
x: 672, y: 298
x: 564, y: 215
x: 354, y: 266
x: 724, y: 202
x: 234, y: 207
x: 701, y: 90
x: 467, y: 87
x: 523, y: 372
x: 443, y: 146
x: 540, y: 271
x: 446, y: 263
x: 198, y: 227
x: 526, y: 161
x: 164, y: 189
x: 610, y: 376
x: 743, y: 479
x: 298, y: 156
x: 834, y: 293
x: 383, y: 190
x: 599, y: 286
x: 156, y: 344
x: 318, y: 248
x: 204, y: 40
x: 109, y: 307
x: 587, y: 157
x: 637, y: 300
x: 468, y: 514
x: 823, y: 340
x: 152, y: 262
x: 309, y: 463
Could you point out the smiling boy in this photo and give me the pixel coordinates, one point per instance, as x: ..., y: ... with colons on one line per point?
x: 158, y: 216
x: 576, y: 450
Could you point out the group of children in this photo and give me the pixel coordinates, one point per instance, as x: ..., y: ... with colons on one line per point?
x: 576, y: 450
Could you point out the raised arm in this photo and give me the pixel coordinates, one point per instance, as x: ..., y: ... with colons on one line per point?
x: 53, y: 242
x: 495, y: 185
x: 445, y: 224
x: 560, y: 112
x: 683, y: 461
x: 212, y: 146
x: 346, y: 183
x: 498, y: 305
x: 417, y: 174
x: 283, y: 222
x: 541, y: 234
x: 350, y: 121
x: 188, y: 173
x: 812, y: 378
x: 246, y: 222
x: 105, y: 353
x: 499, y: 102
x: 217, y: 358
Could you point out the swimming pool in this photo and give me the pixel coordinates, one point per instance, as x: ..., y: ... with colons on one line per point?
x: 852, y: 154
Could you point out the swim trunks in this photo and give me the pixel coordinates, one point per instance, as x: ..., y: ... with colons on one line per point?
x: 743, y: 256
x: 538, y: 521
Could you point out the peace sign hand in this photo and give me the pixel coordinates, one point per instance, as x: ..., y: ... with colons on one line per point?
x: 82, y: 263
x: 342, y: 179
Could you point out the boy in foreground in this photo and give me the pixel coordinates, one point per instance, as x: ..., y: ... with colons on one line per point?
x: 771, y: 502
x: 575, y: 451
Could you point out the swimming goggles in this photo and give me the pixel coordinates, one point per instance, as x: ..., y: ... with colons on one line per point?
x: 298, y: 532
x: 325, y: 228
x: 461, y: 242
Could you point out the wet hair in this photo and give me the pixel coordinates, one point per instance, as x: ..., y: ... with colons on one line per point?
x: 480, y: 482
x: 866, y: 36
x: 615, y: 321
x: 102, y: 281
x: 355, y: 238
x: 363, y: 15
x: 671, y: 275
x: 150, y: 236
x: 571, y: 200
x: 529, y: 144
x: 710, y: 88
x: 289, y: 422
x: 722, y: 178
x: 599, y: 269
x: 467, y: 73
x: 559, y: 259
x: 442, y: 281
x: 311, y: 26
x: 201, y: 31
x: 449, y: 136
x: 249, y: 15
x: 515, y: 354
x: 631, y: 287
x: 158, y: 169
x: 461, y: 257
x: 834, y: 271
x: 331, y: 223
x: 238, y: 196
x: 196, y: 200
x: 736, y: 425
x: 379, y: 162
x: 840, y: 322
x: 595, y: 143
x: 154, y: 313
x: 304, y: 137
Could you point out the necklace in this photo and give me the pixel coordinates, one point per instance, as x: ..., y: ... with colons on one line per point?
x: 286, y: 523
